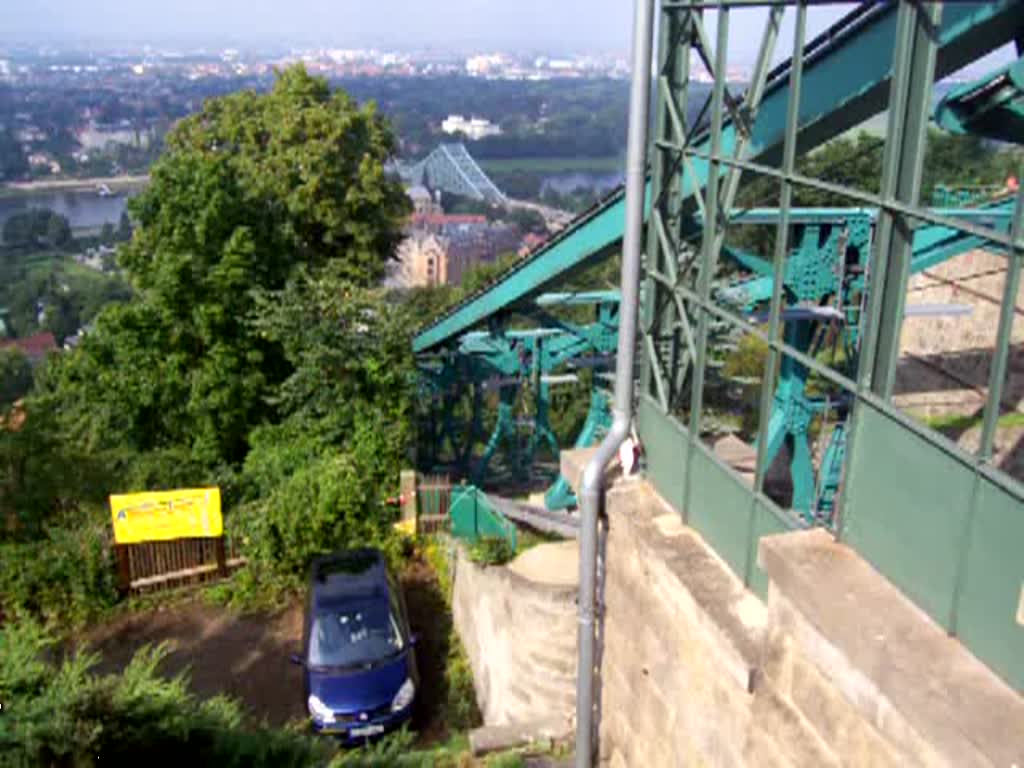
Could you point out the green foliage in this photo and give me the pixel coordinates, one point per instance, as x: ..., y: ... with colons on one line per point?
x: 459, y: 696
x: 528, y: 220
x: 61, y: 713
x: 249, y: 189
x: 258, y: 200
x: 15, y: 376
x: 67, y: 576
x: 264, y: 182
x: 505, y: 760
x: 491, y: 550
x: 38, y: 227
x: 319, y: 478
x: 13, y: 163
x: 71, y: 294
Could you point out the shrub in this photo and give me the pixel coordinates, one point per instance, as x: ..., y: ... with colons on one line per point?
x: 491, y: 550
x: 69, y: 576
x: 327, y: 504
x: 60, y: 713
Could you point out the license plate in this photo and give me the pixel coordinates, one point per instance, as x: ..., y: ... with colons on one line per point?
x: 367, y: 730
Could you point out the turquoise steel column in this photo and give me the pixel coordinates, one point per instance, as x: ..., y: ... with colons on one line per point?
x: 903, y: 162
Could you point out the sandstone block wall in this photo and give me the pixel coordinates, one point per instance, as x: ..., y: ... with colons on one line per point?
x: 836, y: 669
x: 520, y: 637
x: 945, y: 359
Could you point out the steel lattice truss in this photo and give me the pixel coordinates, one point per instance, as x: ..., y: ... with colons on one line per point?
x: 452, y: 169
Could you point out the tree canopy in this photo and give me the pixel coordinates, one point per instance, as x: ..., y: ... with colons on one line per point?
x: 249, y: 189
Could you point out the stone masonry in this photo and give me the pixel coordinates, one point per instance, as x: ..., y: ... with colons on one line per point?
x: 837, y: 668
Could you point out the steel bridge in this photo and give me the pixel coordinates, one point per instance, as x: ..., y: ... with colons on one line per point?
x: 452, y: 169
x: 822, y: 290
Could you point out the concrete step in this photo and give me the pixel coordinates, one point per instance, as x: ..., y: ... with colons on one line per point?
x: 498, y: 738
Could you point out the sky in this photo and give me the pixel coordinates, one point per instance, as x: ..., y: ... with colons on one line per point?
x: 527, y: 25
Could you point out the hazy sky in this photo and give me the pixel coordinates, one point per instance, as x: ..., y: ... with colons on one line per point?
x: 559, y: 25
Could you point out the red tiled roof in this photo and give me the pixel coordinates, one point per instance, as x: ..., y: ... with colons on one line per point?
x: 440, y: 219
x: 34, y: 347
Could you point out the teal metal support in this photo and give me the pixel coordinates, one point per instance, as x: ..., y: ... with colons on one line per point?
x: 992, y: 107
x: 902, y: 166
x: 599, y: 418
x: 504, y: 434
x: 541, y: 433
x: 791, y: 416
x: 473, y: 517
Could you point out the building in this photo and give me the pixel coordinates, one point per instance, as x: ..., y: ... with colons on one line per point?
x: 35, y: 347
x: 440, y: 249
x: 422, y: 260
x: 423, y: 203
x: 100, y: 136
x: 475, y: 128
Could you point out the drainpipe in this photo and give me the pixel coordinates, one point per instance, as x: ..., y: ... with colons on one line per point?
x: 591, y: 489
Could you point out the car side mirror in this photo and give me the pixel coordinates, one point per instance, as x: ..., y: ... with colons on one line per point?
x: 297, y: 660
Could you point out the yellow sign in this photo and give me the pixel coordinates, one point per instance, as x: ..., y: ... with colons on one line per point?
x: 165, y: 515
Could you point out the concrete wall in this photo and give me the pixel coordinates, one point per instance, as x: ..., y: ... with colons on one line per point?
x: 836, y: 669
x: 518, y: 625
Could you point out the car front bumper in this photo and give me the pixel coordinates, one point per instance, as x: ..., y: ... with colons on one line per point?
x: 359, y: 731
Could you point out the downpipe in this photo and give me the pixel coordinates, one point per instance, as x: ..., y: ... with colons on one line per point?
x: 592, y: 486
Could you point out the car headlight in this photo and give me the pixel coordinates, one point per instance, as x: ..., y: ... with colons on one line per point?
x: 319, y: 710
x: 404, y: 696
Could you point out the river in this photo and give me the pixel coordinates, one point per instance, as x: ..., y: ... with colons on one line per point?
x: 84, y: 209
x: 568, y: 182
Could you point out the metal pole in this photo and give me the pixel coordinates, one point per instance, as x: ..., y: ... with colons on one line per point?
x: 593, y: 475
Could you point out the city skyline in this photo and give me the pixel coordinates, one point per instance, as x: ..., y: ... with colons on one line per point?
x: 449, y: 25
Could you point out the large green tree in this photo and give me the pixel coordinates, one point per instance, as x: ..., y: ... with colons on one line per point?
x: 248, y: 190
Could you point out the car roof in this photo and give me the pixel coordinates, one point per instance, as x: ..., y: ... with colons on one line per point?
x: 355, y: 574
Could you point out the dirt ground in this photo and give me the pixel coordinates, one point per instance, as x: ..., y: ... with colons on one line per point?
x: 246, y: 656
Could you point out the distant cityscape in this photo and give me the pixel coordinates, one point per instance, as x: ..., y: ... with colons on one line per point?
x: 24, y: 63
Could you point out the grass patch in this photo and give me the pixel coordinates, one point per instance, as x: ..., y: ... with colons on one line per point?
x: 457, y: 697
x: 963, y: 422
x: 491, y: 550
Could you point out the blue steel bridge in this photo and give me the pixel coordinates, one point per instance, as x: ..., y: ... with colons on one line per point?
x: 822, y: 291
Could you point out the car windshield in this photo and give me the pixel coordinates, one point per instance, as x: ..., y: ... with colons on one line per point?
x: 354, y: 635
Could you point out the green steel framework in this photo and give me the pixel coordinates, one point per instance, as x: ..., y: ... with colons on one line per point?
x: 946, y: 526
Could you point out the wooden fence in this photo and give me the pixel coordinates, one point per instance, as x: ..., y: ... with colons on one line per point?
x: 158, y: 565
x: 433, y: 502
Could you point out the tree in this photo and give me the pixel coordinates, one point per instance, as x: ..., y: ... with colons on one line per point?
x: 124, y: 228
x: 58, y: 231
x: 15, y: 376
x: 529, y: 220
x: 251, y: 189
x: 39, y: 226
x: 320, y: 476
x: 13, y: 164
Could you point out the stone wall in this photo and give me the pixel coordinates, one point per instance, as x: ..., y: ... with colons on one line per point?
x: 518, y: 625
x: 945, y: 359
x: 836, y: 668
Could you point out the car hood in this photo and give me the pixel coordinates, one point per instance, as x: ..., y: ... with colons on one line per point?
x: 354, y: 691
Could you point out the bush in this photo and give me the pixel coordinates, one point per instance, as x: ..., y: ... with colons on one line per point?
x: 69, y: 576
x: 491, y: 550
x: 63, y: 714
x: 327, y: 504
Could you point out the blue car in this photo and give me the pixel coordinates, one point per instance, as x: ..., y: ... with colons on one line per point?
x: 360, y: 669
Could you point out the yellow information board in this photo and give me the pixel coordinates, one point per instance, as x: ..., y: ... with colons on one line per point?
x: 165, y: 515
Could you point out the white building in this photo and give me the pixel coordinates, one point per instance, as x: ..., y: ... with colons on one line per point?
x: 475, y: 128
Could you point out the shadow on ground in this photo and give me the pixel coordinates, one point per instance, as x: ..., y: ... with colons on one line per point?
x: 246, y: 656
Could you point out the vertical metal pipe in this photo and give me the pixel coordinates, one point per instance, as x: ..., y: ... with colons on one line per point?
x: 593, y: 475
